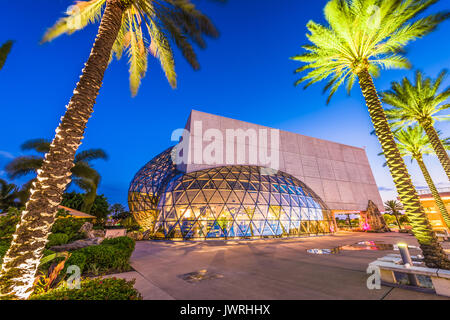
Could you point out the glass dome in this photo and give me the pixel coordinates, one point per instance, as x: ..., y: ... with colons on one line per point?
x: 224, y: 202
x: 143, y: 194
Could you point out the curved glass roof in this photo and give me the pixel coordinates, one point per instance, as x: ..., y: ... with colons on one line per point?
x: 225, y: 202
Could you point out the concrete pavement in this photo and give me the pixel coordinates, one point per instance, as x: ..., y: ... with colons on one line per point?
x: 263, y: 269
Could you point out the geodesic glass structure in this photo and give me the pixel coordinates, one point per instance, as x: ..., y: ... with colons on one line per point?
x: 224, y: 202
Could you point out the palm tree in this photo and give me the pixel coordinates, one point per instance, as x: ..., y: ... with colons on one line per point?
x: 8, y: 195
x: 363, y: 36
x: 4, y: 51
x: 84, y: 176
x: 420, y: 103
x: 120, y: 29
x: 393, y: 208
x: 412, y: 142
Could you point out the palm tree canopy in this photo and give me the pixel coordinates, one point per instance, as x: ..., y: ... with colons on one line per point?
x: 362, y: 35
x: 418, y: 101
x: 9, y: 195
x: 392, y: 206
x: 163, y: 20
x: 413, y: 142
x: 82, y: 171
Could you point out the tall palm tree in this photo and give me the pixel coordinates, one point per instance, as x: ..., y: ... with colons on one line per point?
x: 84, y: 176
x: 420, y: 103
x: 4, y: 51
x: 120, y: 29
x: 393, y: 208
x: 412, y: 142
x: 8, y: 195
x: 363, y: 36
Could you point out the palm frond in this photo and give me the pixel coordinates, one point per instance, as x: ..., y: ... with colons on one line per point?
x: 38, y: 145
x: 363, y: 35
x: 137, y: 54
x: 415, y: 102
x: 77, y: 17
x: 22, y: 166
x: 5, y: 49
x: 90, y: 154
x: 83, y: 170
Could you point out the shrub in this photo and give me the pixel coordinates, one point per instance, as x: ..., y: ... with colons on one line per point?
x: 57, y: 239
x: 123, y: 242
x: 111, y: 255
x: 69, y: 226
x: 94, y: 289
x: 77, y: 258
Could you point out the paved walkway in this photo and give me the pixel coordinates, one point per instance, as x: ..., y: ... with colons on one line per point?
x: 263, y: 269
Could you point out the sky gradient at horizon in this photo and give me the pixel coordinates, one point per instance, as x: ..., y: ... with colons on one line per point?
x: 246, y: 74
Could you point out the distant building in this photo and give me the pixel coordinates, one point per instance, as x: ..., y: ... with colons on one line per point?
x: 76, y: 214
x: 427, y: 201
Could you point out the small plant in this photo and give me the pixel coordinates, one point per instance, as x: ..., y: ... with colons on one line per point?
x: 45, y: 282
x: 94, y: 269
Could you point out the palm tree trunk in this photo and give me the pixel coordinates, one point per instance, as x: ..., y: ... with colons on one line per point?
x: 437, y: 145
x: 398, y: 221
x: 90, y: 195
x: 433, y: 253
x: 22, y: 259
x: 89, y: 199
x: 434, y: 192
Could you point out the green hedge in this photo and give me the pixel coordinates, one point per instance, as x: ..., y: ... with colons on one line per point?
x: 94, y: 289
x: 77, y: 258
x: 112, y: 255
x: 57, y: 239
x: 69, y: 226
x: 109, y: 256
x: 125, y: 243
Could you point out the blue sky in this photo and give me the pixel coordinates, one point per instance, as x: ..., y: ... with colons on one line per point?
x: 245, y: 74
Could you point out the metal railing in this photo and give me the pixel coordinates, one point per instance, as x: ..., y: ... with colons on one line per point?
x: 427, y: 191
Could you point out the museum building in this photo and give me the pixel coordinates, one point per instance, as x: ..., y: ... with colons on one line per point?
x: 228, y: 179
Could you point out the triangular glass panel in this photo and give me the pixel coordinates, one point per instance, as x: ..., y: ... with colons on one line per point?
x: 200, y: 198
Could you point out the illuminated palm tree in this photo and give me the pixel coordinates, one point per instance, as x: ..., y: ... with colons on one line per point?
x: 83, y: 175
x: 363, y: 36
x: 122, y: 27
x: 413, y: 142
x: 393, y: 208
x: 420, y: 103
x: 4, y: 51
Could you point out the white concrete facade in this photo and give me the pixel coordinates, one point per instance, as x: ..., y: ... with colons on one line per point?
x: 340, y: 174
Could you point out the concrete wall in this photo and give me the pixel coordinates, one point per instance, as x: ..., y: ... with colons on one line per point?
x: 339, y: 174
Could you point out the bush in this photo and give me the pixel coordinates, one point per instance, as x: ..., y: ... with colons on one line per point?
x: 77, y: 258
x: 110, y: 256
x: 57, y: 239
x: 122, y: 242
x: 94, y: 289
x: 70, y: 227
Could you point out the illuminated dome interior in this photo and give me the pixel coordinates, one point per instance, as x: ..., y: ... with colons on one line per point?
x: 224, y: 202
